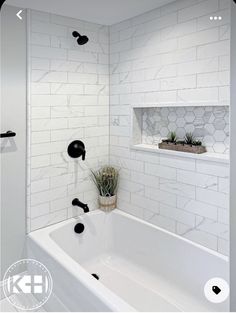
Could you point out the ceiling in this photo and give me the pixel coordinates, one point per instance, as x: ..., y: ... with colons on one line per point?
x: 106, y: 12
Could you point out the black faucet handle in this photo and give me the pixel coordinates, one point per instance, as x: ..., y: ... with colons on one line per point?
x: 83, y: 155
x: 76, y: 149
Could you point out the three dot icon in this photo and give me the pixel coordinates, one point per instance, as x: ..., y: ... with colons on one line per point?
x: 215, y: 18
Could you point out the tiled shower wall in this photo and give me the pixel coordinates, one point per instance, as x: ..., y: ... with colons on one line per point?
x: 208, y: 124
x: 172, y: 56
x: 68, y: 100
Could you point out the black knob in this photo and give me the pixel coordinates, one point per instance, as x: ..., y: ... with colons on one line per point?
x: 76, y: 149
x: 79, y: 228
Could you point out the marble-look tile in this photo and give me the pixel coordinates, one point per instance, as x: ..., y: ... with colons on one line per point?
x: 197, y: 179
x: 212, y: 227
x: 68, y: 101
x: 175, y: 78
x: 177, y: 188
x: 159, y: 220
x: 203, y: 238
x: 208, y: 124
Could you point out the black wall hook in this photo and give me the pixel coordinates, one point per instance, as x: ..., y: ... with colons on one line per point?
x: 9, y: 133
x: 76, y: 149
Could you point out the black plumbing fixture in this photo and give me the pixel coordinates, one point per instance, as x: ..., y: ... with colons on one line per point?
x: 80, y: 204
x: 95, y: 276
x: 81, y: 39
x: 76, y: 149
x: 79, y: 228
x: 9, y: 133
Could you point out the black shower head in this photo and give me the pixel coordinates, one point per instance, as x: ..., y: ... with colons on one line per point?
x: 82, y: 40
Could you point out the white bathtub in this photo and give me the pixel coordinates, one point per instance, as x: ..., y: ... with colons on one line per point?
x: 141, y: 267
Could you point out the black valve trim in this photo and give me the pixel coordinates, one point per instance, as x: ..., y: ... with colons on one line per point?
x: 76, y: 149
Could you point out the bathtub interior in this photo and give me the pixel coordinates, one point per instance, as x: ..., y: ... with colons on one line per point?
x: 149, y: 268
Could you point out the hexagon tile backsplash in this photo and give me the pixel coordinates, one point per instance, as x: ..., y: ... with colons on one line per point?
x: 210, y: 124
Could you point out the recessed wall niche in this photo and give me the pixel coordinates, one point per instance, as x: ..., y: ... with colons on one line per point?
x: 210, y: 124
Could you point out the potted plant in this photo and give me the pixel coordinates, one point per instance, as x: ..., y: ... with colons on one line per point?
x: 106, y: 181
x: 189, y: 144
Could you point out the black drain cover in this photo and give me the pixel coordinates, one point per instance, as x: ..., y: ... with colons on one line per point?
x: 95, y: 276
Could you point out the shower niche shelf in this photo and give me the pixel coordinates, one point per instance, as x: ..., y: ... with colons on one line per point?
x: 210, y: 124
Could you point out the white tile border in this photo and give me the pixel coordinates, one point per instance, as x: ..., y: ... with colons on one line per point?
x: 214, y: 157
x: 180, y: 104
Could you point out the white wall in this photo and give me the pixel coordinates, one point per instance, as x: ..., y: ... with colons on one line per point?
x: 13, y: 150
x: 233, y: 166
x: 172, y: 56
x: 69, y: 99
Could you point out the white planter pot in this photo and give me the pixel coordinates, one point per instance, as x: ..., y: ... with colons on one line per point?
x: 107, y: 204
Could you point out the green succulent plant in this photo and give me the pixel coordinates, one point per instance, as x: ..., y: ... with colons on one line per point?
x: 189, y: 139
x: 197, y: 143
x: 172, y: 137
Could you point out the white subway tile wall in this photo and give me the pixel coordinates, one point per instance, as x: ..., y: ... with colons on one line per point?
x: 171, y: 56
x: 69, y: 100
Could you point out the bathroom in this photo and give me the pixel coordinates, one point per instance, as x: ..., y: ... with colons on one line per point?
x: 138, y: 92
